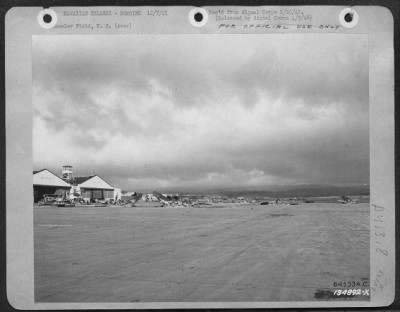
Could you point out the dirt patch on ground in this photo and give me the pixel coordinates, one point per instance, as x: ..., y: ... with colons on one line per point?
x: 280, y: 215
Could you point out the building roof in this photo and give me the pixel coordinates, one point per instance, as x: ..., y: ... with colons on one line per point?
x: 47, y: 178
x: 80, y: 180
x: 93, y: 182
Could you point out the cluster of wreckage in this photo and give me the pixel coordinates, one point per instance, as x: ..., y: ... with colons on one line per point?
x: 166, y: 200
x: 175, y: 200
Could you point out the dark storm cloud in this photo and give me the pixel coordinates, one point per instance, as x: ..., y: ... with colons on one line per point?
x: 335, y: 70
x: 318, y: 76
x: 177, y: 108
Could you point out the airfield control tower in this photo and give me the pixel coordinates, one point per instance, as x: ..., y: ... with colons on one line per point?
x: 67, y: 173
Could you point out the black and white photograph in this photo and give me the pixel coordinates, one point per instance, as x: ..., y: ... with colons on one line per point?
x: 201, y: 167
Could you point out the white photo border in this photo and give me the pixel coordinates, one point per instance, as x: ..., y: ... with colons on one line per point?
x: 21, y: 24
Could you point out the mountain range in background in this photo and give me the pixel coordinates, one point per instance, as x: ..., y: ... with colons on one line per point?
x: 307, y: 190
x: 279, y: 191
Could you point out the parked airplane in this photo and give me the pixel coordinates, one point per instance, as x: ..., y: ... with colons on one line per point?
x: 132, y: 199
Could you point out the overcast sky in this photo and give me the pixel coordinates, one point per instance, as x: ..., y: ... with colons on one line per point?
x: 179, y: 112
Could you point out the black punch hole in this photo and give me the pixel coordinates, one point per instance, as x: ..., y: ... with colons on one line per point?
x: 348, y: 17
x: 198, y: 17
x: 47, y: 18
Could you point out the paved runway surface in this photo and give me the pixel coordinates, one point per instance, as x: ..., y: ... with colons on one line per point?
x: 241, y: 253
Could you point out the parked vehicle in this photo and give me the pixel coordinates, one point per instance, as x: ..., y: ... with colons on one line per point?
x: 65, y: 203
x: 50, y: 199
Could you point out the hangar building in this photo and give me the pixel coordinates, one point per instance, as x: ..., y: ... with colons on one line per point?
x: 46, y: 182
x: 93, y: 187
x: 88, y: 188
